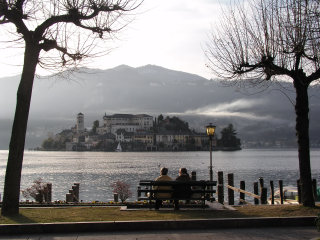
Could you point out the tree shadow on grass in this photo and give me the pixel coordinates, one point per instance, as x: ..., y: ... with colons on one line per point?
x: 17, y: 219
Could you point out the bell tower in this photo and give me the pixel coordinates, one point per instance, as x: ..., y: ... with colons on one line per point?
x: 80, y: 122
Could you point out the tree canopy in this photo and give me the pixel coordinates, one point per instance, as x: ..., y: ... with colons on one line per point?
x: 264, y: 40
x: 229, y: 139
x: 65, y: 31
x: 267, y: 39
x: 172, y: 124
x: 95, y: 125
x: 54, y: 33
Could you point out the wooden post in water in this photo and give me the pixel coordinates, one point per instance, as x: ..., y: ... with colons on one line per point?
x: 299, y: 191
x: 256, y: 192
x: 115, y: 197
x: 139, y: 193
x: 47, y: 193
x: 220, y: 177
x: 242, y: 196
x: 49, y: 186
x: 76, y: 188
x: 261, y: 183
x: 69, y: 196
x: 281, y: 191
x: 230, y: 191
x: 220, y: 188
x: 220, y: 194
x: 272, y: 192
x: 314, y: 188
x: 39, y: 197
x: 264, y: 194
x: 74, y: 193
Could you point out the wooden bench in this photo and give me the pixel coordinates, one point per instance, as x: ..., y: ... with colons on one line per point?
x: 199, y: 190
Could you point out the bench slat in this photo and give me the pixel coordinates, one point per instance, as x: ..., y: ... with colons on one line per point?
x: 177, y: 183
x: 169, y: 199
x: 171, y: 191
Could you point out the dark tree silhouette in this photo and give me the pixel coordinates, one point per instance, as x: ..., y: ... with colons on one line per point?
x: 266, y: 40
x: 172, y: 124
x: 229, y: 138
x: 54, y: 33
x: 95, y: 125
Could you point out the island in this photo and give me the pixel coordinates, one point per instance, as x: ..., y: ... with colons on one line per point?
x: 138, y: 132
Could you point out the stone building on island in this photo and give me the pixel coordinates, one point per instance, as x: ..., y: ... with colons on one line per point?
x: 128, y: 122
x: 139, y: 132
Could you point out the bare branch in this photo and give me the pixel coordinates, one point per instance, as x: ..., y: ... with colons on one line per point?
x: 266, y: 39
x: 314, y: 76
x: 79, y: 13
x: 3, y: 21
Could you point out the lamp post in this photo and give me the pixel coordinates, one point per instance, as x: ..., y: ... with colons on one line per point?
x: 210, y: 132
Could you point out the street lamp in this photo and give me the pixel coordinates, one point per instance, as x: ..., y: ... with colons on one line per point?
x: 210, y: 132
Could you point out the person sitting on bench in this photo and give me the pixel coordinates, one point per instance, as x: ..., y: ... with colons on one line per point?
x: 163, y: 177
x: 182, y: 191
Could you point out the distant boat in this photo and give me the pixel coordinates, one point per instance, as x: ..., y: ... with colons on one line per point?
x: 119, y: 148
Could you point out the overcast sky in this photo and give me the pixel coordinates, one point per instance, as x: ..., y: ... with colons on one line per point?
x: 168, y: 33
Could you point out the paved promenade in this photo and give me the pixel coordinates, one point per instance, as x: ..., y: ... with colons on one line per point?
x: 288, y: 233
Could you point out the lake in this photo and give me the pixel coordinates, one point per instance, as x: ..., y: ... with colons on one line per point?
x: 96, y: 171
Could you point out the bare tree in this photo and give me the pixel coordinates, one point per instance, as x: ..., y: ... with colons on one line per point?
x: 272, y: 40
x: 122, y: 189
x: 39, y: 187
x: 54, y: 32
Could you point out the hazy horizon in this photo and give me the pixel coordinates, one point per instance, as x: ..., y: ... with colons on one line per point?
x: 152, y: 90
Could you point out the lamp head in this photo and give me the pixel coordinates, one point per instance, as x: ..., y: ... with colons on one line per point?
x: 210, y: 129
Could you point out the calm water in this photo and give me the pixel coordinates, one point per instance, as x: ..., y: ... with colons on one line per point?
x: 97, y: 171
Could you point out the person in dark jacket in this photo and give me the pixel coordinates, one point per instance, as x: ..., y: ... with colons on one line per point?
x: 182, y: 191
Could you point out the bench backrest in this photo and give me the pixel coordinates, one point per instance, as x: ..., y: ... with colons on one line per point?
x: 178, y: 183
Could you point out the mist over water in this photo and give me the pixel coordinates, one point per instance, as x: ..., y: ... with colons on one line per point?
x: 96, y: 171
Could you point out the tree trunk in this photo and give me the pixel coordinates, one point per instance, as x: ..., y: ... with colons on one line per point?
x: 10, y: 205
x: 302, y: 131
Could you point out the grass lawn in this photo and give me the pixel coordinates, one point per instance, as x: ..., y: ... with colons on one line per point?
x: 84, y: 214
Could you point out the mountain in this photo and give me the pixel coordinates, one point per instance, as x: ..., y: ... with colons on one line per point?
x: 257, y: 114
